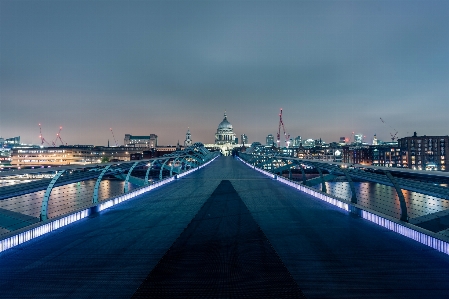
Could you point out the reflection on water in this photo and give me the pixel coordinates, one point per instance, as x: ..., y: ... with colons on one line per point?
x: 63, y: 199
x: 4, y: 183
x: 71, y: 197
x: 385, y: 200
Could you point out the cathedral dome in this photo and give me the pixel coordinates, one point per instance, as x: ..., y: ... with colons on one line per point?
x: 224, y: 134
x: 225, y: 124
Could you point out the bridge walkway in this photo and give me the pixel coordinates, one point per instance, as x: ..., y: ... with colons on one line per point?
x: 327, y: 252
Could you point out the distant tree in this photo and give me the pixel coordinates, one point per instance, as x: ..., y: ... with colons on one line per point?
x: 104, y: 159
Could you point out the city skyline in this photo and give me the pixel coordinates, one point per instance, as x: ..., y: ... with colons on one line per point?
x: 335, y: 67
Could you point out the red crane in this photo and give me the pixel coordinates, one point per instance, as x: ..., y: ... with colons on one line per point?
x: 42, y: 137
x: 58, y: 136
x: 287, y: 137
x: 113, y: 136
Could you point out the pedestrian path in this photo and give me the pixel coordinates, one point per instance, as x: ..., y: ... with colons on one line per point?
x: 224, y: 231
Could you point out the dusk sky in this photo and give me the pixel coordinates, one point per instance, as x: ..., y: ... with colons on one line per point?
x: 144, y: 67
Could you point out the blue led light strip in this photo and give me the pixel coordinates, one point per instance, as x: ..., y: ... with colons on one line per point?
x: 40, y: 230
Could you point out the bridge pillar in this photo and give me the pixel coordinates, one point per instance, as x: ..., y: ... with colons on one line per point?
x: 323, y: 182
x: 404, y: 216
x: 304, y: 178
x: 97, y: 184
x: 162, y: 168
x: 183, y: 161
x: 173, y: 165
x: 148, y: 172
x: 351, y: 185
x: 44, y: 205
x: 128, y: 175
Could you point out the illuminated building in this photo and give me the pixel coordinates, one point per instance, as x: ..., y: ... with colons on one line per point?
x: 297, y: 141
x: 141, y: 141
x: 425, y: 152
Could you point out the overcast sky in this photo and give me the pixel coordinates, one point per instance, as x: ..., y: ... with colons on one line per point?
x: 144, y: 67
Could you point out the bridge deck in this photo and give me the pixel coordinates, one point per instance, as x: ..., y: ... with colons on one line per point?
x: 327, y: 252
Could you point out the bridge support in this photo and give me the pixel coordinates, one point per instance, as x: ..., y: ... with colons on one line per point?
x: 304, y: 178
x: 44, y: 205
x: 128, y: 175
x: 173, y: 165
x: 351, y: 185
x: 148, y: 172
x: 323, y: 182
x: 404, y: 216
x: 162, y: 168
x: 97, y: 184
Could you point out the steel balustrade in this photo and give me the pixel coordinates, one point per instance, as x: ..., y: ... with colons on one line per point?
x: 401, y: 226
x: 360, y: 172
x: 32, y: 231
x: 403, y: 205
x: 193, y: 156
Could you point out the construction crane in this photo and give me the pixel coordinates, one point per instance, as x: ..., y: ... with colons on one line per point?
x: 42, y: 137
x: 58, y: 136
x: 287, y: 136
x: 393, y: 136
x: 113, y: 137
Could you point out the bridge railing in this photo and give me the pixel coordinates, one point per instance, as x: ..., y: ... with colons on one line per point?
x: 390, y: 177
x: 91, y: 177
x: 62, y: 185
x: 275, y: 166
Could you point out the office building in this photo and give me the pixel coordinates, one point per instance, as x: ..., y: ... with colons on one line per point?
x: 270, y: 139
x: 297, y: 141
x: 244, y: 139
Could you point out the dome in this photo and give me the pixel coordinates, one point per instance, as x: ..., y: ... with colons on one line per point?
x: 224, y: 134
x: 225, y: 124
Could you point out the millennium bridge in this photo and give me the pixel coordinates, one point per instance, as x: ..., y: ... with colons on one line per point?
x: 195, y: 224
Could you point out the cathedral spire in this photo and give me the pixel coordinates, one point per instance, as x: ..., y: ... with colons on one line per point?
x: 225, y: 117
